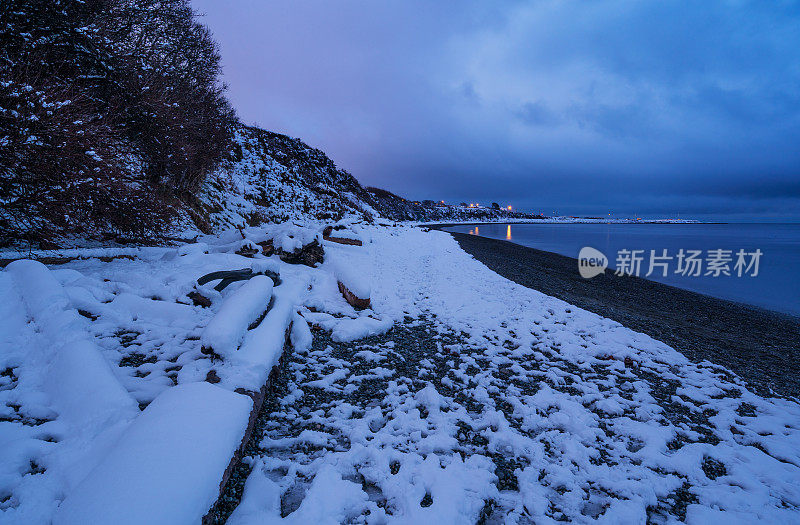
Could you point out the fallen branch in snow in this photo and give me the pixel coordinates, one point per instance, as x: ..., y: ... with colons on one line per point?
x: 227, y: 277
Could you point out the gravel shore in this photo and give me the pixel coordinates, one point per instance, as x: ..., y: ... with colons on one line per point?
x: 487, y: 402
x: 405, y: 384
x: 761, y: 346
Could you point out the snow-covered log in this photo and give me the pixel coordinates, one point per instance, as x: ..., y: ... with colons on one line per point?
x: 250, y: 366
x: 353, y: 272
x: 340, y: 236
x: 168, y: 465
x: 245, y: 306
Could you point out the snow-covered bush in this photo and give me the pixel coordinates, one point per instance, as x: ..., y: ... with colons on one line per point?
x: 109, y: 109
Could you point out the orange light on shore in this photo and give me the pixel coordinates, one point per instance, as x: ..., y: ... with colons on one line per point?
x: 509, y: 207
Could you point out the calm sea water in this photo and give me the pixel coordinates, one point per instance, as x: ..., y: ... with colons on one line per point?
x: 776, y: 287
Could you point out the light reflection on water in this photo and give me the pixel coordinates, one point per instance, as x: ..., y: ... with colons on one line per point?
x: 777, y: 286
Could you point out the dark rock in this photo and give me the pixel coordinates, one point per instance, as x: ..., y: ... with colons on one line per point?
x: 247, y: 251
x: 87, y: 315
x: 210, y: 353
x: 212, y: 377
x: 310, y: 254
x: 199, y: 299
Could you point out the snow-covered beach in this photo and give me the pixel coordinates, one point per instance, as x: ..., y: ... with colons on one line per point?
x: 457, y: 396
x: 758, y: 345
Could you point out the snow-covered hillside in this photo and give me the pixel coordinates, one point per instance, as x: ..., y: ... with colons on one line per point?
x: 273, y: 178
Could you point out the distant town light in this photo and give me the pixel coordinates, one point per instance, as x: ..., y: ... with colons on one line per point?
x: 509, y: 207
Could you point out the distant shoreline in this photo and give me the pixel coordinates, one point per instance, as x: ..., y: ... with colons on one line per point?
x: 761, y: 346
x: 439, y: 225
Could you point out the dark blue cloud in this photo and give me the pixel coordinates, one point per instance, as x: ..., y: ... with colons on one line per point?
x: 555, y: 105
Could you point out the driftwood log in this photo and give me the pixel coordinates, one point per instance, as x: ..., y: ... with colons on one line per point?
x: 343, y: 240
x: 258, y: 401
x: 353, y: 299
x: 327, y: 234
x: 247, y: 251
x: 266, y: 247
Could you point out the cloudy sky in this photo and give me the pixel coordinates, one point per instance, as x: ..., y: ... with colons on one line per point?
x: 649, y: 108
